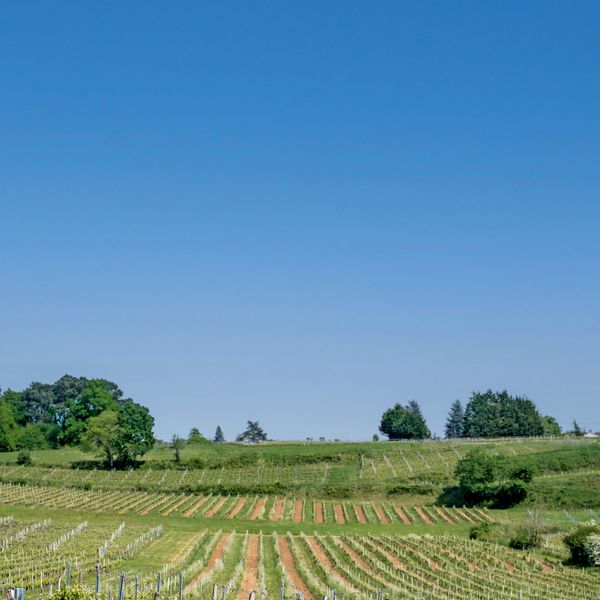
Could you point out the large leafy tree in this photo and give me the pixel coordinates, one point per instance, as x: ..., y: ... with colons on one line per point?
x: 8, y: 428
x: 551, y: 426
x: 404, y: 423
x: 455, y: 423
x: 93, y: 400
x: 498, y: 414
x: 120, y: 435
x: 254, y: 433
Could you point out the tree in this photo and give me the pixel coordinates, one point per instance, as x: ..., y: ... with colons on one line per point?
x: 178, y: 444
x: 551, y: 426
x: 103, y: 434
x: 455, y: 423
x: 254, y: 433
x: 8, y: 428
x: 497, y: 414
x: 94, y: 399
x: 219, y: 438
x: 404, y: 422
x: 136, y: 435
x: 195, y: 437
x: 577, y: 431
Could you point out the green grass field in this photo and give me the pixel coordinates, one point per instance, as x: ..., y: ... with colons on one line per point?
x: 357, y: 518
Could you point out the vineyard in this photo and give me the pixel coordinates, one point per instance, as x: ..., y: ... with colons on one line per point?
x: 42, y: 555
x: 240, y: 507
x: 187, y: 531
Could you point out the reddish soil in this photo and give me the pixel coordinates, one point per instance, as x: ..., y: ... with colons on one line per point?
x: 192, y: 510
x: 214, y: 508
x: 175, y: 506
x: 356, y: 557
x: 325, y: 562
x: 319, y: 512
x: 360, y: 515
x: 383, y: 518
x: 405, y: 518
x: 258, y: 509
x: 339, y: 514
x: 444, y: 515
x: 278, y: 510
x: 288, y: 562
x: 423, y: 515
x: 250, y: 578
x: 298, y: 511
x: 217, y: 554
x: 155, y: 505
x: 233, y: 513
x: 463, y: 514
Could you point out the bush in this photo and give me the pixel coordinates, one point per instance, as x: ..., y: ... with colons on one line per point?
x: 479, y: 532
x: 577, y: 542
x: 24, y: 458
x: 525, y: 538
x: 592, y: 549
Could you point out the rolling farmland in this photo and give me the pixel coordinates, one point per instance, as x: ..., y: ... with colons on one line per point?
x: 190, y: 528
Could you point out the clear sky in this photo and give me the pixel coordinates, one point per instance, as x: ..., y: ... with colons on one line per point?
x: 302, y: 212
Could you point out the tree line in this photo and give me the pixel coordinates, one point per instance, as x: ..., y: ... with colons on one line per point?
x: 76, y: 411
x: 486, y: 415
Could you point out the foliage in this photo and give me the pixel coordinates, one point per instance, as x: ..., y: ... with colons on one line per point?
x: 578, y: 544
x: 404, y: 422
x: 254, y: 433
x: 375, y: 437
x: 195, y: 437
x: 178, y: 444
x: 592, y: 549
x: 551, y: 426
x: 455, y: 424
x: 8, y: 428
x: 480, y: 531
x: 577, y: 431
x: 24, y: 458
x: 529, y: 535
x: 497, y: 414
x: 219, y: 437
x: 122, y: 435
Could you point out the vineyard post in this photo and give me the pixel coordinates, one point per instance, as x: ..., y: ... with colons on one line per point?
x: 136, y: 588
x: 215, y: 592
x: 223, y: 591
x: 281, y: 590
x: 158, y: 584
x: 180, y: 585
x: 121, y: 585
x: 68, y: 576
x: 97, y: 588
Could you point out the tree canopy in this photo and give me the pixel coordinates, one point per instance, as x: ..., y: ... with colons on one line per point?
x: 253, y: 433
x: 455, y: 424
x: 404, y: 423
x: 498, y: 414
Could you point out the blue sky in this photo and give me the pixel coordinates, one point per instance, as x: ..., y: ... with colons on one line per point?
x: 302, y: 212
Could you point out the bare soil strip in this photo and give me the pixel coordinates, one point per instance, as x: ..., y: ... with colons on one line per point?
x: 192, y: 510
x: 463, y: 514
x: 155, y: 505
x: 250, y: 578
x: 233, y: 513
x: 260, y: 505
x: 211, y: 512
x: 298, y: 511
x: 339, y: 514
x: 319, y: 512
x: 444, y: 515
x: 288, y: 562
x: 360, y: 515
x: 405, y: 518
x: 216, y: 555
x: 383, y: 518
x: 277, y: 510
x: 175, y: 506
x: 326, y: 562
x: 423, y: 515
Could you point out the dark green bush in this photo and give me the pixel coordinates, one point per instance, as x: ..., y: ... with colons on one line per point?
x: 24, y: 458
x: 479, y: 532
x: 575, y: 542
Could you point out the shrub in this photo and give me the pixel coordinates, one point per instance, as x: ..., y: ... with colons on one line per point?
x: 592, y: 549
x: 525, y: 538
x: 479, y: 532
x: 24, y: 458
x: 577, y: 542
